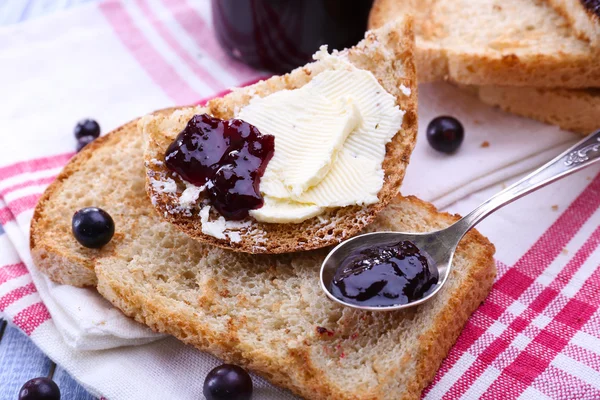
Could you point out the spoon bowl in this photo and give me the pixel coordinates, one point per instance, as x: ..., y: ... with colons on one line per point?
x: 439, y: 246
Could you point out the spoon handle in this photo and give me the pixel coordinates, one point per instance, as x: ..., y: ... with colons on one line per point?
x: 580, y: 155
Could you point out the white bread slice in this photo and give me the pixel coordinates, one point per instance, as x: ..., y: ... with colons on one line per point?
x: 388, y: 54
x: 576, y: 110
x: 498, y: 42
x: 258, y: 311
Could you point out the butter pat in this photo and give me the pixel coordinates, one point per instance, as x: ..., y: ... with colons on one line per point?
x: 330, y: 142
x: 190, y: 195
x: 309, y: 130
x: 221, y: 228
x: 284, y: 211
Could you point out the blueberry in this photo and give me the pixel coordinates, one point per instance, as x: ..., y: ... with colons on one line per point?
x: 93, y: 227
x: 228, y: 382
x: 39, y: 389
x: 87, y: 127
x: 84, y: 141
x: 445, y: 134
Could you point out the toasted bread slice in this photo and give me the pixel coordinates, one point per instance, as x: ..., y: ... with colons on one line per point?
x: 108, y: 173
x: 575, y: 110
x: 388, y: 54
x: 499, y: 42
x: 265, y: 312
x: 584, y: 17
x: 269, y: 314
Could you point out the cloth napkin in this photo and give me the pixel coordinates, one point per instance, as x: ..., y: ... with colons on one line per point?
x: 538, y: 335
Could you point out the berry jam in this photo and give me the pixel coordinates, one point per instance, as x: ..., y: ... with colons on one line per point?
x: 385, y: 275
x: 229, y: 157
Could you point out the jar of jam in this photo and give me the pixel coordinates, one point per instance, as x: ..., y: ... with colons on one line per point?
x: 279, y: 35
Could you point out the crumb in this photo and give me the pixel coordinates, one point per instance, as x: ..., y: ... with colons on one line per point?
x: 485, y: 144
x: 477, y: 122
x: 565, y: 251
x: 555, y: 208
x: 504, y: 186
x: 589, y: 178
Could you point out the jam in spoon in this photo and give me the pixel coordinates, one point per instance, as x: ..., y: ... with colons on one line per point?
x: 396, y: 270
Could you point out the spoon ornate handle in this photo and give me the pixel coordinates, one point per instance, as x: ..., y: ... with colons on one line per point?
x: 580, y: 155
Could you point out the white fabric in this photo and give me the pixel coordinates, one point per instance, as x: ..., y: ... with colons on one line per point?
x: 49, y: 68
x: 514, y: 145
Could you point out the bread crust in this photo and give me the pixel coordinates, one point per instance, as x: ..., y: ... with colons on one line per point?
x: 380, y: 53
x: 56, y: 262
x: 573, y: 65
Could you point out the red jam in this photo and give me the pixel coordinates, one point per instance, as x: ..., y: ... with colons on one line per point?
x: 384, y: 275
x: 229, y: 157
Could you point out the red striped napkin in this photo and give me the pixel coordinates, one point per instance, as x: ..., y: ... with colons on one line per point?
x: 537, y: 335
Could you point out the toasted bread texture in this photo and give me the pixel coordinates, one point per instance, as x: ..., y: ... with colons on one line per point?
x: 269, y: 314
x: 575, y: 110
x: 388, y: 54
x: 501, y: 42
x: 584, y: 17
x: 265, y: 312
x: 98, y: 176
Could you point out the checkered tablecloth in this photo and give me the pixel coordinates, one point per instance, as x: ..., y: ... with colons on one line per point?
x: 537, y: 336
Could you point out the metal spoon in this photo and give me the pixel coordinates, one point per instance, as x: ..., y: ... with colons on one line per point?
x: 441, y: 245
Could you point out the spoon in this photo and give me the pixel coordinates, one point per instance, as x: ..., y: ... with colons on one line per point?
x: 440, y: 246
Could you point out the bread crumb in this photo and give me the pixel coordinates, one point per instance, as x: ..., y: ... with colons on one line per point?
x: 555, y: 208
x: 565, y: 251
x: 485, y: 144
x: 477, y: 122
x: 589, y: 178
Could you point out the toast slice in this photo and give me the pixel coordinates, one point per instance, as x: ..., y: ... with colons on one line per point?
x: 98, y: 176
x: 269, y: 314
x: 575, y: 110
x: 388, y: 54
x: 265, y: 312
x: 584, y: 17
x: 501, y: 42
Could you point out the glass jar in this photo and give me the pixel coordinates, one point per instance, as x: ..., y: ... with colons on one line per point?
x: 279, y: 35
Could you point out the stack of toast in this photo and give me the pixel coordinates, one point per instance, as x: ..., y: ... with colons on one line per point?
x: 265, y: 312
x: 534, y: 58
